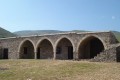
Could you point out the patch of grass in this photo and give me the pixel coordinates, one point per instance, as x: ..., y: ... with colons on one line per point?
x: 58, y: 70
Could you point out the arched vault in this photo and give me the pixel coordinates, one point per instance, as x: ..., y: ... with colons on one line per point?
x: 90, y: 46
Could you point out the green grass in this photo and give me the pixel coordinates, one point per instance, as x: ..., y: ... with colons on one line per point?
x: 58, y: 70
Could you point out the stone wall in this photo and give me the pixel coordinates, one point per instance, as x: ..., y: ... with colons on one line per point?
x: 118, y: 54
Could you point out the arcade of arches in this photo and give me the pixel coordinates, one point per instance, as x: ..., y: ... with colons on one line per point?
x: 27, y: 50
x: 88, y: 48
x: 64, y: 49
x: 45, y: 50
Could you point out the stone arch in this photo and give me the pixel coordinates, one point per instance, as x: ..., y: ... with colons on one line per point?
x: 64, y: 48
x: 44, y: 49
x: 90, y: 46
x: 26, y: 49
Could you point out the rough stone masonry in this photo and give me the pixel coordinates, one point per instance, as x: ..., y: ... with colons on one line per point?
x: 94, y: 46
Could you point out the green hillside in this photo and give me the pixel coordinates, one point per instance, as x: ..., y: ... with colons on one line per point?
x: 4, y: 33
x: 117, y: 35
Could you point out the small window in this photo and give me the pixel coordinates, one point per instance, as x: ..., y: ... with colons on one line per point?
x: 25, y: 50
x: 58, y: 50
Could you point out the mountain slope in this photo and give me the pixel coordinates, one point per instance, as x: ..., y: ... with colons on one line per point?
x: 41, y: 32
x: 4, y: 33
x: 36, y: 32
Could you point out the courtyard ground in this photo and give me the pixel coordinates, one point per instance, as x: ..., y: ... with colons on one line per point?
x: 58, y: 70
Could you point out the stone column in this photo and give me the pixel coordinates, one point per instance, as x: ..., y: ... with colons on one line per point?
x: 35, y: 55
x: 75, y: 55
x: 18, y: 55
x: 54, y: 54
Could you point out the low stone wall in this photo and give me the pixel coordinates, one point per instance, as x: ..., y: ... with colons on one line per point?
x: 109, y: 55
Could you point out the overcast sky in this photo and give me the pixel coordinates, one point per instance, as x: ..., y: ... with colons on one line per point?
x: 93, y: 15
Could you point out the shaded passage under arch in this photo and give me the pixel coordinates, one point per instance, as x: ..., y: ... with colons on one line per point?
x: 4, y: 53
x: 45, y: 50
x: 27, y: 50
x: 64, y: 49
x: 90, y: 47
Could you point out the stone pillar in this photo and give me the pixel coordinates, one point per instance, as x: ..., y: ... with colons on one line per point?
x: 18, y: 55
x: 54, y: 54
x: 75, y: 56
x: 35, y: 55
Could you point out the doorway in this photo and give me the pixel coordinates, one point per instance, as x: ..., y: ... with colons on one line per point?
x: 70, y: 52
x: 5, y: 53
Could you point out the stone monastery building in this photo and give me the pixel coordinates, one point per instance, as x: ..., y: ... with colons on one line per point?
x: 95, y: 46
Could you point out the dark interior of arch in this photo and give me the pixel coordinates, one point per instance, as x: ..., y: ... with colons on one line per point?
x: 64, y: 49
x: 90, y: 47
x: 45, y: 50
x: 27, y: 50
